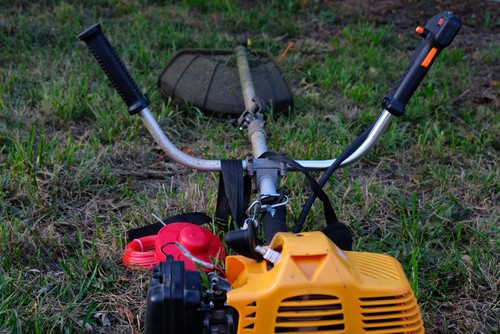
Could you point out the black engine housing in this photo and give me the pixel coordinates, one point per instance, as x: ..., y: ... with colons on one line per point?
x: 174, y: 300
x: 178, y: 304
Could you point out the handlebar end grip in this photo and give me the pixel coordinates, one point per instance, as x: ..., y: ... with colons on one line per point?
x: 114, y: 68
x: 87, y: 34
x: 438, y: 34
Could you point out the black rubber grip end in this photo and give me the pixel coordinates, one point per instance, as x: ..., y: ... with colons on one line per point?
x: 244, y: 242
x: 393, y: 106
x: 114, y: 68
x: 89, y: 32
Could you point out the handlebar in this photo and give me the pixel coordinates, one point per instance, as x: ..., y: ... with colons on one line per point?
x: 214, y: 165
x: 438, y: 33
x: 137, y: 103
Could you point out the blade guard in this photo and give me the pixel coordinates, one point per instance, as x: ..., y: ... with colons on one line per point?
x: 209, y: 80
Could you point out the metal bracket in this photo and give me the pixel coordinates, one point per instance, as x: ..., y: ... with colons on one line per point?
x: 271, y: 208
x: 265, y: 171
x: 250, y: 115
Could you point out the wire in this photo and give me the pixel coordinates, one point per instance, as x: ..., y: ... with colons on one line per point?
x: 317, y: 189
x: 328, y: 172
x: 140, y: 253
x: 193, y: 258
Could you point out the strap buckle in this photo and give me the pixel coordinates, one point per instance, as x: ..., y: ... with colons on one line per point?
x: 257, y: 208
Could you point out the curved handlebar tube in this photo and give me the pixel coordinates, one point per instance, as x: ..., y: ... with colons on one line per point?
x: 214, y: 165
x: 172, y: 151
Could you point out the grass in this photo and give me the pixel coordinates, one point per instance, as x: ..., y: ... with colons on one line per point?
x: 76, y: 171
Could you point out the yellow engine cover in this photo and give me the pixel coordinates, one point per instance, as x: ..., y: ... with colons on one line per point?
x: 317, y: 288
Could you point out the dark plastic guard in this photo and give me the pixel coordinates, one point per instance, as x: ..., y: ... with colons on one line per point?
x: 114, y: 68
x: 174, y: 297
x: 209, y: 80
x: 438, y: 33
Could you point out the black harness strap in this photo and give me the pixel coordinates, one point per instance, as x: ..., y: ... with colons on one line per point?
x: 234, y: 192
x: 197, y: 218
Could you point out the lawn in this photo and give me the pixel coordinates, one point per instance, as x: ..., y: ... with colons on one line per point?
x: 77, y: 172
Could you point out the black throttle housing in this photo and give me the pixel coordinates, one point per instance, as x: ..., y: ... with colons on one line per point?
x: 437, y: 34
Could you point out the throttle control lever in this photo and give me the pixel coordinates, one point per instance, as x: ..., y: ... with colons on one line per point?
x: 438, y: 33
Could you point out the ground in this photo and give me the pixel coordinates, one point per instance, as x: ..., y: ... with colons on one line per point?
x: 77, y: 172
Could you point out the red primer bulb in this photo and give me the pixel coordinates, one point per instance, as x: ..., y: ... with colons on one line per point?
x: 200, y: 242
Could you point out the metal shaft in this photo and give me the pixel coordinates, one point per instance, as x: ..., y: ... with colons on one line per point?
x: 246, y: 81
x: 256, y: 130
x: 267, y: 185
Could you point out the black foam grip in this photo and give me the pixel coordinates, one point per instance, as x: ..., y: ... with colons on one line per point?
x: 395, y: 102
x: 272, y: 224
x: 438, y: 33
x: 114, y: 68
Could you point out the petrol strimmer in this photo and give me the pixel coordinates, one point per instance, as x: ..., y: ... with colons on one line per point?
x: 280, y: 281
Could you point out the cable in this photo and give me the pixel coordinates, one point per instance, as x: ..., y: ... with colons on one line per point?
x: 328, y: 172
x: 140, y: 253
x: 193, y: 258
x: 315, y: 186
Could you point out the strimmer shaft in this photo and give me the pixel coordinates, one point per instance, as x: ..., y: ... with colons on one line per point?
x: 267, y: 185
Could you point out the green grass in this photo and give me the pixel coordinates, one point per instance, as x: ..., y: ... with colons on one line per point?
x: 76, y: 171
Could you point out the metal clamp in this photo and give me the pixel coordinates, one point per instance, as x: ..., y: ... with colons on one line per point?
x: 253, y: 211
x: 257, y: 208
x: 251, y: 114
x: 271, y: 208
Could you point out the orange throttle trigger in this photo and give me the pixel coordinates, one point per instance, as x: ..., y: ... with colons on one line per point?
x: 428, y: 59
x: 432, y: 52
